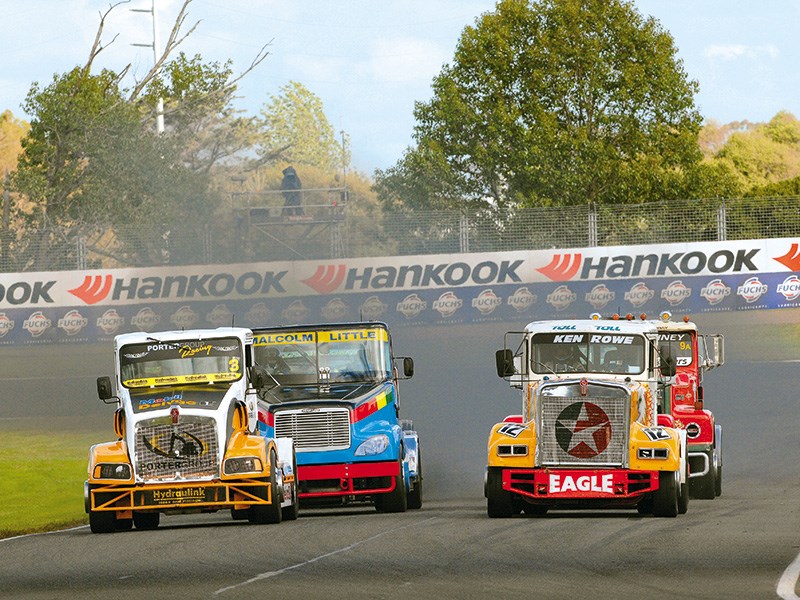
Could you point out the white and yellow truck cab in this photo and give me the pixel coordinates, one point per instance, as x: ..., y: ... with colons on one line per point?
x: 589, y: 435
x: 187, y: 436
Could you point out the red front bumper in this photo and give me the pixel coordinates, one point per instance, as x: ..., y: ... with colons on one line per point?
x: 567, y: 484
x: 320, y: 481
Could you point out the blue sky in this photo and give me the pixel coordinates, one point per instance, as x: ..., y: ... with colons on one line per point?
x: 369, y: 61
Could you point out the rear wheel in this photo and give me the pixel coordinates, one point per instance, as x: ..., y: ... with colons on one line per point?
x: 665, y: 498
x: 718, y: 487
x: 499, y: 502
x: 146, y: 520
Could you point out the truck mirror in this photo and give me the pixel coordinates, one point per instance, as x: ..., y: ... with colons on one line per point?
x: 504, y: 360
x: 408, y: 366
x: 104, y: 390
x: 257, y: 375
x: 668, y: 366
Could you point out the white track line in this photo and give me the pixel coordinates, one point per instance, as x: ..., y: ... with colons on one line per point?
x: 27, y: 535
x: 269, y: 574
x: 788, y: 581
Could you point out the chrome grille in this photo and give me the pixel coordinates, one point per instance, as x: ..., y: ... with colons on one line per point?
x: 589, y: 430
x: 315, y: 429
x: 164, y: 451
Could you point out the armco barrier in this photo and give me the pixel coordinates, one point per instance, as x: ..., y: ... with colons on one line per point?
x: 517, y: 287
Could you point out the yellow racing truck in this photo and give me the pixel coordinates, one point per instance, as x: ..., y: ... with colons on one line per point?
x: 589, y: 435
x: 186, y: 423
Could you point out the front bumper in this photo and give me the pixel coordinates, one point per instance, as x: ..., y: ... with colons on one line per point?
x: 347, y: 479
x: 211, y: 495
x: 580, y: 484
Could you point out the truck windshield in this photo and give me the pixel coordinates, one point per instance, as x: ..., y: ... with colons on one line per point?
x: 587, y: 353
x: 321, y: 357
x: 678, y: 346
x: 180, y: 362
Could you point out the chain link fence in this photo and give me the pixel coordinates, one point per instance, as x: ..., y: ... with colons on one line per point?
x: 332, y: 226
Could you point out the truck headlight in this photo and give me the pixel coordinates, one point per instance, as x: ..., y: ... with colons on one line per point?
x: 374, y: 445
x: 112, y: 471
x: 242, y: 464
x: 653, y: 453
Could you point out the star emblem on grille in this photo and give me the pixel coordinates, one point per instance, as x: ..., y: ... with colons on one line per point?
x: 583, y: 430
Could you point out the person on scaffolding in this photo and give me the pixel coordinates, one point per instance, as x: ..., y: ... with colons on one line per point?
x: 292, y: 196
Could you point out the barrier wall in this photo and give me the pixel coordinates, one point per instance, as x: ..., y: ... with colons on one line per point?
x: 516, y: 287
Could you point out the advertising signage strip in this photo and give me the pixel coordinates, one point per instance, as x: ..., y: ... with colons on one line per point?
x: 513, y: 303
x: 459, y: 288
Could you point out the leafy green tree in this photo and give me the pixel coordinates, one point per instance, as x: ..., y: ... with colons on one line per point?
x: 93, y: 160
x: 553, y: 102
x: 294, y: 129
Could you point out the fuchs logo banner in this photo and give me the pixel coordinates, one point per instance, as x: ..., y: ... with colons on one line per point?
x: 426, y: 289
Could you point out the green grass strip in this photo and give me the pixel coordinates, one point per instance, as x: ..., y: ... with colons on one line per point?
x: 41, y: 480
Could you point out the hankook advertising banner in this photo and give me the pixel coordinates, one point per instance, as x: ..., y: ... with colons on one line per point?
x: 513, y: 287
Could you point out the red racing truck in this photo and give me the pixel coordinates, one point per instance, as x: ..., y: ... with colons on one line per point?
x: 693, y: 354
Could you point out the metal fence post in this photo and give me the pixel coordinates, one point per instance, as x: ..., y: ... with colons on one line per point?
x: 463, y: 233
x: 722, y: 221
x: 592, y: 224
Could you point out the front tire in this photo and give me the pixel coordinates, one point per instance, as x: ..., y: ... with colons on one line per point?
x: 290, y: 513
x: 665, y: 498
x: 499, y: 502
x: 146, y: 520
x: 260, y: 514
x: 705, y: 487
x: 102, y: 521
x: 396, y: 500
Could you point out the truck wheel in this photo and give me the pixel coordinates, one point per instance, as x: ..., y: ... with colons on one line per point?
x: 415, y: 495
x: 683, y: 498
x: 267, y: 513
x: 665, y: 498
x: 289, y: 513
x: 705, y: 487
x: 102, y: 521
x: 396, y: 500
x: 645, y: 506
x: 718, y: 485
x: 146, y: 520
x: 499, y: 502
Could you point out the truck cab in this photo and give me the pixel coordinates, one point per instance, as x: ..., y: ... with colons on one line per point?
x: 334, y: 389
x: 693, y: 354
x: 186, y: 439
x: 588, y: 435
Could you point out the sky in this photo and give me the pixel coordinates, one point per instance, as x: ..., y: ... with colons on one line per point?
x: 369, y: 61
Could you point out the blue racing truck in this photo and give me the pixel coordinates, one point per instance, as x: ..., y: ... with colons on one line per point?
x: 334, y: 390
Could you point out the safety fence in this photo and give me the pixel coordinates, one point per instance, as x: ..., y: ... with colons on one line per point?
x: 335, y: 225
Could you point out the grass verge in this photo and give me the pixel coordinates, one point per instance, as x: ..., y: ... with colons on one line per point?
x: 41, y: 480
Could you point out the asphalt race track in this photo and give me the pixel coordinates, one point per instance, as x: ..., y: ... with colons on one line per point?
x: 741, y: 545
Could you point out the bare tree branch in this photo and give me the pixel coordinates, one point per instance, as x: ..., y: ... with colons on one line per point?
x: 172, y: 42
x: 97, y: 46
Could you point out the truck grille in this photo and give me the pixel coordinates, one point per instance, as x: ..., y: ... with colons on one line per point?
x: 188, y: 450
x: 315, y: 429
x: 589, y: 430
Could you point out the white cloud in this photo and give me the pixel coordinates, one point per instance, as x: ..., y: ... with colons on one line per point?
x: 734, y: 51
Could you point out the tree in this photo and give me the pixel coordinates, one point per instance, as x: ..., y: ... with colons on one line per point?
x: 295, y: 129
x: 93, y: 160
x: 12, y: 130
x: 553, y: 102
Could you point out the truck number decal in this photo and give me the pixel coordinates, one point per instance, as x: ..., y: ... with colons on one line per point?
x: 511, y: 429
x: 657, y: 433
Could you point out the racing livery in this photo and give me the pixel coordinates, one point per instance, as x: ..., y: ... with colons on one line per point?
x: 693, y: 354
x: 589, y: 434
x: 187, y: 436
x: 334, y: 390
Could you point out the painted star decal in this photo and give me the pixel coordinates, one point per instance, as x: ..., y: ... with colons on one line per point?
x: 583, y: 430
